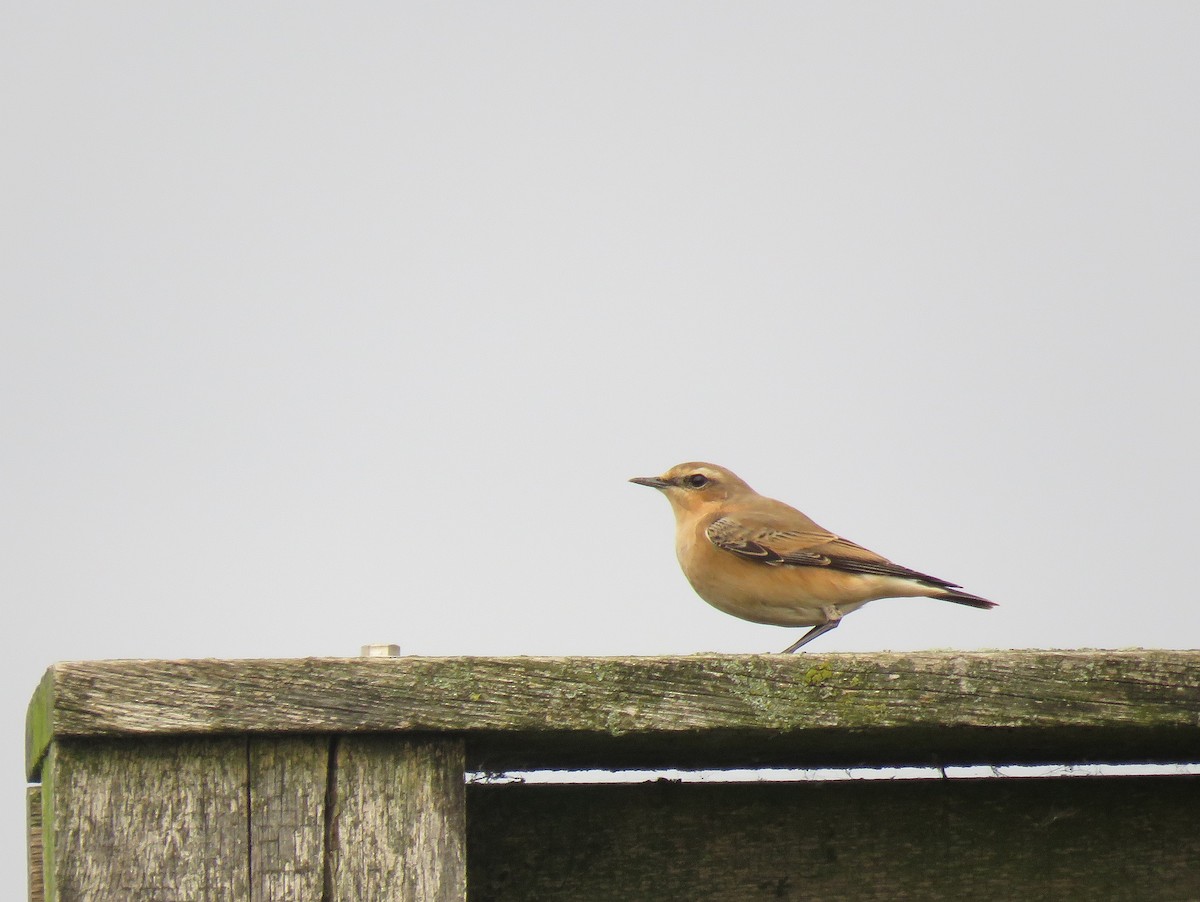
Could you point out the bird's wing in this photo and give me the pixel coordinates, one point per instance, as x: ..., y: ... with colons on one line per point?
x: 766, y: 543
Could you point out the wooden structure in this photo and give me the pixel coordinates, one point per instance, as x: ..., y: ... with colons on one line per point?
x: 343, y: 780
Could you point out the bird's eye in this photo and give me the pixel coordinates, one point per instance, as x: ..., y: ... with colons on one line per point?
x: 697, y: 480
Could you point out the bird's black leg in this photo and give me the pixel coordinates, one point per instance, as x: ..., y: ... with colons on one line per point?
x: 819, y: 629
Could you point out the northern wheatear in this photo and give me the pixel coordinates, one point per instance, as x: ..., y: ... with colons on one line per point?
x: 764, y: 561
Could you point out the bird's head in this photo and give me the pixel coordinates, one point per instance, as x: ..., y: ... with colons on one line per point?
x: 696, y: 486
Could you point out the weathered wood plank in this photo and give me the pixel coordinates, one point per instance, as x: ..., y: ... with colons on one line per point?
x: 33, y: 815
x: 398, y: 829
x: 696, y: 711
x: 1118, y: 839
x: 156, y: 821
x: 288, y: 784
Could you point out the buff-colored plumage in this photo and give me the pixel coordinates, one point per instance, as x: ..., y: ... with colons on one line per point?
x: 763, y: 560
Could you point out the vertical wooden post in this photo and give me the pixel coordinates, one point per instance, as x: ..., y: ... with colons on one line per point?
x: 269, y: 819
x: 288, y: 778
x: 162, y: 819
x: 397, y: 820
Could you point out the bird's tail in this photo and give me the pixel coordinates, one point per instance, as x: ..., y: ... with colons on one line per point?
x: 960, y: 597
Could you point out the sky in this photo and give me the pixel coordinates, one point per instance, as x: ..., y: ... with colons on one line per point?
x: 326, y: 326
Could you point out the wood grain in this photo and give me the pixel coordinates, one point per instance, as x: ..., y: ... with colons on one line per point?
x: 160, y: 821
x: 399, y: 821
x: 33, y: 820
x: 266, y: 819
x: 696, y: 711
x: 288, y: 784
x: 1128, y: 839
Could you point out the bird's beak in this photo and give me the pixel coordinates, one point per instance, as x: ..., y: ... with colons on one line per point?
x: 653, y: 481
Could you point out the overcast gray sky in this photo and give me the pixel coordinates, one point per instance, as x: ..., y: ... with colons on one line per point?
x: 333, y: 325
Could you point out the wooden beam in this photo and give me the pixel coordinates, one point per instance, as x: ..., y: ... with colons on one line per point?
x: 1120, y: 839
x: 696, y: 711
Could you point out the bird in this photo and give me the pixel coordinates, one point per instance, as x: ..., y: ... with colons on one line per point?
x: 764, y: 561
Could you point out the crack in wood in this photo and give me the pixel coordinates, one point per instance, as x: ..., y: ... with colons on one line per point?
x: 249, y: 813
x: 330, y: 834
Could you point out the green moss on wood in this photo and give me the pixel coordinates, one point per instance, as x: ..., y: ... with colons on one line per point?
x: 817, y: 675
x: 39, y: 726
